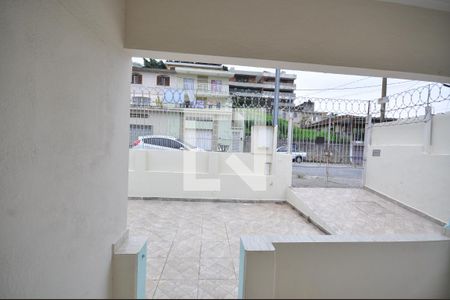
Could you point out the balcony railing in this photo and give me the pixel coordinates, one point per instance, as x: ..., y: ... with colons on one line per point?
x: 213, y: 88
x: 264, y: 85
x: 264, y: 94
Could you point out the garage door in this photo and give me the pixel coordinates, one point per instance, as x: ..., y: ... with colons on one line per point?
x: 201, y: 138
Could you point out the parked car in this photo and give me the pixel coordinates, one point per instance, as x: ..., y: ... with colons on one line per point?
x: 162, y: 142
x: 296, y: 155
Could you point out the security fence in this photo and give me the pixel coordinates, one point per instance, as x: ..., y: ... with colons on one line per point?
x: 318, y: 130
x: 415, y: 105
x: 324, y: 130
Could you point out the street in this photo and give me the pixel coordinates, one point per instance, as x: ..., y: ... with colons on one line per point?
x: 314, y: 175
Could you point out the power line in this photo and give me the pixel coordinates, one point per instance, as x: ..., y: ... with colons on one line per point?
x: 353, y: 88
x: 369, y: 90
x: 342, y: 85
x: 414, y: 84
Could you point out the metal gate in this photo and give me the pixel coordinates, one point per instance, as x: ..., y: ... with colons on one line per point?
x: 328, y: 136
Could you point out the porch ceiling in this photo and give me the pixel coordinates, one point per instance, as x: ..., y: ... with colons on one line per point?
x: 349, y: 36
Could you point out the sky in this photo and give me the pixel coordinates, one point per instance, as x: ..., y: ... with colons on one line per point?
x: 329, y: 85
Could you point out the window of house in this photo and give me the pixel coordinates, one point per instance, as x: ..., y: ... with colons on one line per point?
x: 202, y: 79
x: 188, y: 84
x: 200, y: 102
x: 140, y: 101
x: 241, y: 78
x: 202, y: 82
x: 134, y: 113
x: 136, y: 78
x: 163, y: 80
x: 216, y: 86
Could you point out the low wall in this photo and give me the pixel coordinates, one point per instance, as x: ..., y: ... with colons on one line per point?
x: 410, y: 169
x: 208, y: 175
x: 344, y: 267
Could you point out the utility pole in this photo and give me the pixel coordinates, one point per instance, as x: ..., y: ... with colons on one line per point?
x: 276, y: 99
x: 276, y: 104
x: 328, y: 147
x: 383, y: 95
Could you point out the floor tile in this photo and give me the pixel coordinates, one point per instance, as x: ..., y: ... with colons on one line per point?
x: 358, y: 211
x: 158, y: 249
x: 185, y: 249
x: 187, y: 269
x: 150, y: 288
x: 190, y: 236
x: 214, y: 234
x: 217, y: 268
x: 155, y: 267
x: 176, y: 289
x: 215, y: 249
x: 162, y: 236
x: 217, y: 289
x: 192, y: 240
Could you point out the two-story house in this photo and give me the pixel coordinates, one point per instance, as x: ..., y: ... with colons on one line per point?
x: 187, y: 100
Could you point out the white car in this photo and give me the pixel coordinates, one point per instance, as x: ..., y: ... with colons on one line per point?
x: 296, y: 156
x: 162, y: 142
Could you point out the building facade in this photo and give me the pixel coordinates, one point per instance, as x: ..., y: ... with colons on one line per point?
x: 187, y: 100
x: 304, y: 114
x: 258, y: 88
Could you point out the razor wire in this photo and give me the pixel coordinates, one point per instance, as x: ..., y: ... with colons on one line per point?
x: 411, y: 106
x: 217, y: 118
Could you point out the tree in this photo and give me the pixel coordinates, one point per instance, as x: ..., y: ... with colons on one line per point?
x: 154, y: 64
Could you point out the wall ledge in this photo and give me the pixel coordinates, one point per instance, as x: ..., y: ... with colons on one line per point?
x: 279, y: 201
x: 269, y: 242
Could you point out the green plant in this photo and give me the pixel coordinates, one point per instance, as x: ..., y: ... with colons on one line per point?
x: 158, y: 102
x: 154, y: 64
x: 298, y: 133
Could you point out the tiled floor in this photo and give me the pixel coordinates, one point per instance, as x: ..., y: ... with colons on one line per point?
x: 193, y: 247
x: 357, y: 211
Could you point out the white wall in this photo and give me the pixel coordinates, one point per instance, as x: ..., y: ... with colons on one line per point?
x: 64, y: 90
x: 407, y: 172
x: 344, y: 267
x: 346, y: 36
x: 154, y: 173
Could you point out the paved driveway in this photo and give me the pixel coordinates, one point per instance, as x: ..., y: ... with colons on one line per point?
x: 193, y: 247
x: 360, y: 212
